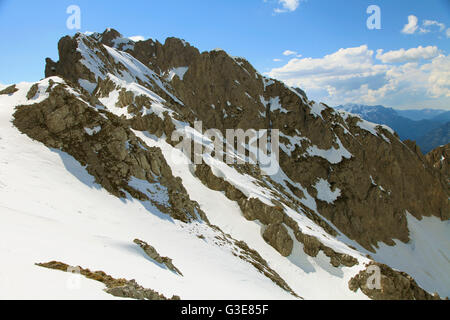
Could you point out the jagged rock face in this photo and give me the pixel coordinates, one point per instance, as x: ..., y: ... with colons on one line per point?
x: 379, y: 177
x: 439, y: 159
x: 173, y: 54
x: 108, y: 148
x: 395, y: 285
x: 226, y: 92
x: 278, y: 237
x: 340, y: 174
x: 9, y: 90
x: 68, y: 66
x: 117, y: 287
x: 275, y: 218
x: 153, y: 254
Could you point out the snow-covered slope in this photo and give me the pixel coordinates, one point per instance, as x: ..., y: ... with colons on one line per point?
x: 52, y: 209
x: 81, y: 178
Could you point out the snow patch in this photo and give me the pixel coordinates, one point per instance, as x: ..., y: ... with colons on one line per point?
x: 325, y: 193
x: 93, y: 131
x: 332, y: 155
x: 87, y: 85
x: 274, y: 104
x: 316, y: 109
x: 179, y: 72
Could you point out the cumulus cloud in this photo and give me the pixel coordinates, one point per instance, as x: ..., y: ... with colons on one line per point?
x: 354, y: 75
x: 413, y: 54
x: 429, y: 23
x: 277, y: 60
x: 137, y: 38
x: 411, y: 26
x: 427, y: 26
x: 289, y: 53
x: 287, y: 6
x: 439, y: 76
x: 345, y: 61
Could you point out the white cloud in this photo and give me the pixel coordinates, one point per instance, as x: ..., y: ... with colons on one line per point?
x: 277, y: 60
x: 413, y: 54
x: 427, y: 26
x: 411, y: 26
x: 439, y: 76
x: 289, y: 53
x: 429, y: 23
x: 137, y: 38
x: 354, y: 75
x: 287, y: 6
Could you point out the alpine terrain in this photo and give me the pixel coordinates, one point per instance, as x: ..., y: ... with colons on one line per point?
x: 429, y: 128
x: 99, y: 201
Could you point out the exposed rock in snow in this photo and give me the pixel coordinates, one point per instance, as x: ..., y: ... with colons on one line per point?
x: 116, y: 287
x: 89, y: 162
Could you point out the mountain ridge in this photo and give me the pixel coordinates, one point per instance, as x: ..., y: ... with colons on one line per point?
x: 346, y: 188
x: 418, y: 130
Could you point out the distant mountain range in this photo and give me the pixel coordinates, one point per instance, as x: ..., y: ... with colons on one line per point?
x: 424, y: 114
x: 428, y: 127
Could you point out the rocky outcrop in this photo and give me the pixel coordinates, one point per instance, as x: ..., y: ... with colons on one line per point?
x: 226, y: 92
x: 68, y: 66
x: 394, y: 285
x: 376, y: 177
x: 254, y: 258
x: 9, y: 90
x: 312, y: 246
x: 154, y: 255
x: 107, y: 147
x: 117, y: 287
x: 278, y: 237
x: 439, y: 159
x: 273, y: 217
x: 111, y: 152
x: 32, y: 92
x: 241, y: 250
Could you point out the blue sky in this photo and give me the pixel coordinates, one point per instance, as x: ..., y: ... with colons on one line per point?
x: 337, y: 58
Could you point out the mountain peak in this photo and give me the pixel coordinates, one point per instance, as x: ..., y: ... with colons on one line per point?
x: 140, y: 125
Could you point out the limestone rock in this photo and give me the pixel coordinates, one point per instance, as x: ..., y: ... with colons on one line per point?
x: 395, y: 285
x: 278, y: 237
x: 32, y: 92
x: 9, y: 90
x: 153, y: 254
x: 439, y: 159
x: 116, y: 287
x: 110, y: 156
